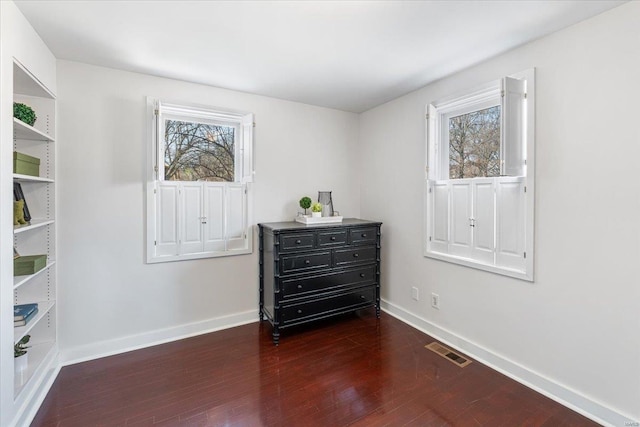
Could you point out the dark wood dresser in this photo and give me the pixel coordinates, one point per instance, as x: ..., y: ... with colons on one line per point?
x: 311, y: 272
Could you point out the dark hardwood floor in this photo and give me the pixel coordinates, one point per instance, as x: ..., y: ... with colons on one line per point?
x: 355, y: 370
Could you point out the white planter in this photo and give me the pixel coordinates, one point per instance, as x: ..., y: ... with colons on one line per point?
x: 316, y: 214
x: 22, y: 362
x: 20, y: 365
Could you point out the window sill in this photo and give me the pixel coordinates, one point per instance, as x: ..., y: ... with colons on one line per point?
x: 200, y: 255
x: 468, y: 262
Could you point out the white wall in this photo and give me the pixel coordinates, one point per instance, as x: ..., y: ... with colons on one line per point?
x: 574, y: 332
x: 109, y: 299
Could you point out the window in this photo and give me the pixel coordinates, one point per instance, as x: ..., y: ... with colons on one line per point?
x: 474, y: 143
x: 199, y: 182
x: 199, y: 150
x: 479, y: 181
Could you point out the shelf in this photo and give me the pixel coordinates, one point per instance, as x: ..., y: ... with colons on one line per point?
x: 43, y: 308
x: 34, y: 223
x: 26, y: 83
x: 38, y: 353
x: 21, y: 280
x: 21, y: 130
x: 29, y: 178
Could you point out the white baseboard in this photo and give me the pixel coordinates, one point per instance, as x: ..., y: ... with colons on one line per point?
x: 134, y: 342
x: 564, y: 395
x: 26, y: 414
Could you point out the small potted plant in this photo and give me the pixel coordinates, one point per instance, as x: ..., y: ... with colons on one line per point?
x: 24, y: 113
x: 20, y: 354
x: 305, y: 203
x: 316, y: 210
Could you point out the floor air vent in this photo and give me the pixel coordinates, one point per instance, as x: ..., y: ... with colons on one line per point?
x: 448, y: 354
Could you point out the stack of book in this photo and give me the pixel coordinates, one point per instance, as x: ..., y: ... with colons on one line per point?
x: 23, y: 313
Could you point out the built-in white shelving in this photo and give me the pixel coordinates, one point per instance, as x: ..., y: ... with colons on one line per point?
x: 43, y: 310
x: 21, y: 130
x: 25, y: 83
x: 33, y: 224
x: 21, y: 280
x: 28, y: 178
x: 38, y: 355
x: 38, y: 236
x: 28, y: 77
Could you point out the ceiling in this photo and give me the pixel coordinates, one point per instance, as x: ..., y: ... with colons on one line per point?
x: 348, y: 55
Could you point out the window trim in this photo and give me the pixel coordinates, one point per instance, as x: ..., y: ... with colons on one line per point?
x: 155, y: 175
x: 433, y: 167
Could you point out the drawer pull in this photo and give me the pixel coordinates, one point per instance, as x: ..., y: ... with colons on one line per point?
x: 362, y: 274
x: 364, y: 234
x: 299, y: 286
x: 298, y: 241
x: 355, y: 255
x: 306, y: 261
x: 333, y: 238
x: 363, y: 297
x: 300, y: 311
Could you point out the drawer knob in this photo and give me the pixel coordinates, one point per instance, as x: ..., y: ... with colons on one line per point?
x: 362, y: 296
x: 333, y: 238
x: 300, y: 311
x: 355, y: 255
x: 298, y: 241
x: 299, y: 286
x: 306, y: 261
x: 364, y: 234
x: 362, y: 274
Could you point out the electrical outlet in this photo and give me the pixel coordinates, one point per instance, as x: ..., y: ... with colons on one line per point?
x: 415, y: 294
x: 435, y: 300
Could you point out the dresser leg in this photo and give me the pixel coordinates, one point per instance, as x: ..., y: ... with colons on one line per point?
x: 378, y: 310
x: 261, y: 315
x: 276, y: 336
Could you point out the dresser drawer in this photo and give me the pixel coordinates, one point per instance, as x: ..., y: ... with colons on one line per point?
x: 363, y: 236
x: 298, y: 241
x: 354, y: 256
x: 305, y: 262
x: 332, y: 238
x: 298, y: 313
x: 327, y: 282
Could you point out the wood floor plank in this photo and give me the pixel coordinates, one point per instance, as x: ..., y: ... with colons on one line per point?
x: 356, y: 370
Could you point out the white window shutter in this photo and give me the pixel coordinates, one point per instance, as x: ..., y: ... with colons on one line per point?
x: 191, y: 218
x: 166, y: 230
x: 159, y: 151
x: 483, y: 220
x: 512, y: 145
x: 247, y: 148
x: 510, y: 220
x: 460, y: 243
x: 439, y: 217
x: 432, y: 143
x: 236, y: 217
x: 214, y: 217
